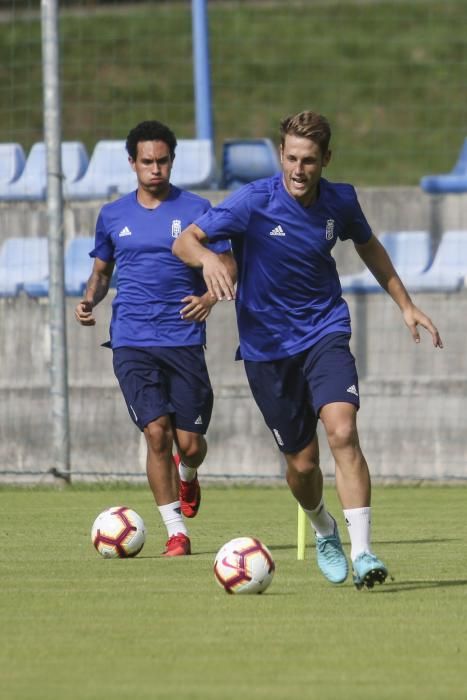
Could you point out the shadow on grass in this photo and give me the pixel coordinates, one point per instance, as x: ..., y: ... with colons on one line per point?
x: 407, y: 586
x: 432, y: 540
x: 311, y: 545
x: 193, y: 555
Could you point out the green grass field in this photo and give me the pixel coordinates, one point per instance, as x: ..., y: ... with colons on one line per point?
x: 390, y: 75
x: 75, y: 626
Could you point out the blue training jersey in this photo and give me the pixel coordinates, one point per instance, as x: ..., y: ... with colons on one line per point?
x: 151, y: 281
x: 288, y: 291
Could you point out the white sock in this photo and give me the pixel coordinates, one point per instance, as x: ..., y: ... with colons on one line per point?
x: 186, y: 473
x: 321, y: 521
x: 358, y: 521
x: 171, y: 515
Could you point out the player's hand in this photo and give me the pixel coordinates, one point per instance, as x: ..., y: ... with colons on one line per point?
x: 413, y: 317
x: 196, y: 308
x: 83, y: 313
x: 218, y: 280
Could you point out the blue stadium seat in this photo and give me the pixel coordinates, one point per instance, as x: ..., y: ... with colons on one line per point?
x: 449, y: 269
x: 78, y: 265
x: 108, y: 173
x: 12, y: 161
x: 245, y: 160
x: 32, y: 183
x: 449, y: 183
x: 410, y: 254
x: 22, y: 261
x: 194, y: 166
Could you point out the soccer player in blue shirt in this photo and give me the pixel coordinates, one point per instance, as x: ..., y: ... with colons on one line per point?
x: 294, y: 326
x: 157, y: 331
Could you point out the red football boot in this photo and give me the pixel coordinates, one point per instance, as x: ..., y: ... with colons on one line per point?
x: 189, y: 494
x: 177, y: 546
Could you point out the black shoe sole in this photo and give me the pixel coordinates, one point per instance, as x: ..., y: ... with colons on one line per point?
x: 373, y: 576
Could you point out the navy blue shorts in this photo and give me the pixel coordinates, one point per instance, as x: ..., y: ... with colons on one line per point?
x: 165, y: 381
x: 290, y: 392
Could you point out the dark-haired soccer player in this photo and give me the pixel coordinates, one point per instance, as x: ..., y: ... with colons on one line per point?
x: 157, y: 331
x: 294, y: 325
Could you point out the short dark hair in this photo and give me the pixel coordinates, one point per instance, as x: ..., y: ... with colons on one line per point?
x: 308, y: 125
x: 150, y: 131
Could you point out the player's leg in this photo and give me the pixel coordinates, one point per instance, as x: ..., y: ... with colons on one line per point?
x: 192, y: 448
x: 354, y: 489
x: 352, y: 474
x: 191, y: 451
x: 191, y: 396
x: 163, y: 480
x: 305, y: 480
x: 304, y: 476
x: 159, y: 467
x: 281, y: 393
x: 334, y: 383
x: 141, y: 380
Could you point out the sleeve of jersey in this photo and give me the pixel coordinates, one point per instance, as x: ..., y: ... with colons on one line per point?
x: 220, y: 246
x: 103, y: 246
x: 228, y: 219
x: 358, y: 229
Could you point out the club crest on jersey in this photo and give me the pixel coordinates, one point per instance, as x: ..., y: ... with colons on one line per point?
x: 330, y: 229
x: 176, y: 228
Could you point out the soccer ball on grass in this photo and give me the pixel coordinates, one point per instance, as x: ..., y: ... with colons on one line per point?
x: 244, y: 565
x: 118, y: 532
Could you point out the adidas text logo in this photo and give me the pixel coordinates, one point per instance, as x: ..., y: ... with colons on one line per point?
x: 277, y: 231
x: 125, y: 232
x: 199, y: 420
x: 352, y: 390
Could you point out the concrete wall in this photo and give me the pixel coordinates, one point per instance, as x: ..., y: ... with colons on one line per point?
x: 414, y: 400
x: 386, y: 209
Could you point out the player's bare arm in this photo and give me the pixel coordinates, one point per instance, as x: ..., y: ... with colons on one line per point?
x: 190, y: 247
x: 379, y: 263
x: 96, y: 289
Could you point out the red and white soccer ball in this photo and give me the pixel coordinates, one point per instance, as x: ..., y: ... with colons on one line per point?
x: 118, y: 532
x: 244, y: 565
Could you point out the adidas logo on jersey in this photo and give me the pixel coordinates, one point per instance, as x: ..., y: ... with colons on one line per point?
x: 199, y: 420
x: 352, y: 390
x: 125, y: 232
x: 277, y: 231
